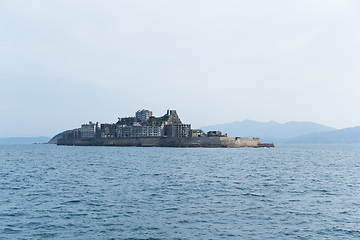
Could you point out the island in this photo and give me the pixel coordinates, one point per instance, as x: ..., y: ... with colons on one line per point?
x: 146, y: 130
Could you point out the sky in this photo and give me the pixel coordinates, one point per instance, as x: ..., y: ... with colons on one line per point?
x: 65, y: 63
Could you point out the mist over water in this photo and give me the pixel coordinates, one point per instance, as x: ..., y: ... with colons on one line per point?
x: 286, y: 192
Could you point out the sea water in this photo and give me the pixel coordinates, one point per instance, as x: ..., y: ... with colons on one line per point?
x: 286, y: 192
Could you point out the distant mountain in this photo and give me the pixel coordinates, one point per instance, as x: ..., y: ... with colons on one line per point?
x: 24, y: 140
x: 347, y: 135
x: 269, y: 131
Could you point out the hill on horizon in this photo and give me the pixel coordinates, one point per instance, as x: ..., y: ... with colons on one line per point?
x: 23, y: 140
x: 346, y: 135
x: 268, y: 130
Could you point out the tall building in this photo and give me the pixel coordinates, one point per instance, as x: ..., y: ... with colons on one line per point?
x: 75, y: 133
x: 143, y: 115
x: 107, y: 130
x: 128, y: 121
x: 139, y: 131
x: 89, y: 130
x: 177, y: 130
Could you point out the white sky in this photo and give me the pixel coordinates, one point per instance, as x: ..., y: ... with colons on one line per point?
x: 63, y: 63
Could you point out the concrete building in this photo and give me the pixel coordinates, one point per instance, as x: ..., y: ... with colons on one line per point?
x: 143, y: 115
x: 158, y: 124
x: 196, y: 133
x: 75, y: 133
x: 139, y: 131
x: 173, y: 117
x: 177, y: 130
x: 107, y: 130
x: 128, y: 121
x: 214, y: 134
x: 89, y: 130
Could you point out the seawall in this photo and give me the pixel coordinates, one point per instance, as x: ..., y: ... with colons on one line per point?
x: 233, y: 142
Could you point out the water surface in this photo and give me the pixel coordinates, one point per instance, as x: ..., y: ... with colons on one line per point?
x: 286, y: 192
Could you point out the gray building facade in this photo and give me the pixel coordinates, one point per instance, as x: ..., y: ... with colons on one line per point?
x: 177, y: 130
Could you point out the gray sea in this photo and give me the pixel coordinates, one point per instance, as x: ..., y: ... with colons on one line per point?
x: 286, y: 192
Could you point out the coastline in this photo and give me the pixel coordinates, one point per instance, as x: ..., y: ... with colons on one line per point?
x: 213, y: 142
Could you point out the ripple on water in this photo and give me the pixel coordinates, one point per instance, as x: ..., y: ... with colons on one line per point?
x: 288, y: 192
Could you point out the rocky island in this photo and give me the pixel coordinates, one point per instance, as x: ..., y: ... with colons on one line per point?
x: 146, y: 130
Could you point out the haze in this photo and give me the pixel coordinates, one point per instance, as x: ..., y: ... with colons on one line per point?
x: 64, y: 63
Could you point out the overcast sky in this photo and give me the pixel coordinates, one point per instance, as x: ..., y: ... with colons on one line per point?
x: 63, y: 63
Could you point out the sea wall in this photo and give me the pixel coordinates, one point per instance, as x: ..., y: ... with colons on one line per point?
x: 210, y: 142
x: 130, y: 141
x: 164, y: 142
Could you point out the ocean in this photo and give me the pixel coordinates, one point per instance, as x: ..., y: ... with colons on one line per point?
x: 286, y: 192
